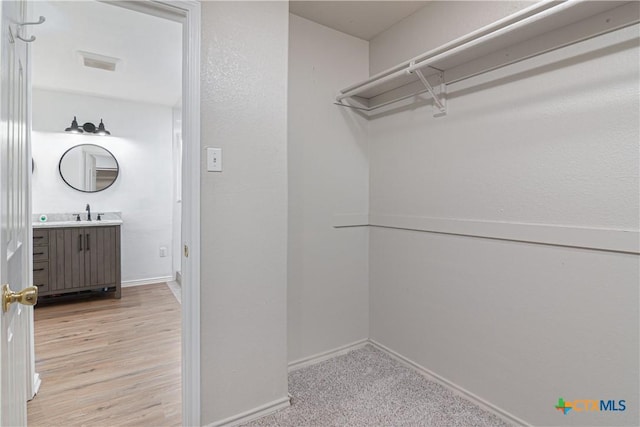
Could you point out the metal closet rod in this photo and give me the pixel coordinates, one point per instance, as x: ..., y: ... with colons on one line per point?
x: 461, y: 44
x: 486, y: 70
x: 501, y: 65
x: 463, y: 39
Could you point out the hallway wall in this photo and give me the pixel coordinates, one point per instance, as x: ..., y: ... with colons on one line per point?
x: 244, y: 208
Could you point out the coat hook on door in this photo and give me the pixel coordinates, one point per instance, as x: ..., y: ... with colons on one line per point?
x: 32, y: 38
x: 38, y: 22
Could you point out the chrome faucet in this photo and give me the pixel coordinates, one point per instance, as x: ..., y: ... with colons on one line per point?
x: 88, y: 209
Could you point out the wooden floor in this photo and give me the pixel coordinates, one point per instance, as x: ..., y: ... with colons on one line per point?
x: 109, y: 362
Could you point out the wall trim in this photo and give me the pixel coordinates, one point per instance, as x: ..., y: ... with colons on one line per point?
x: 150, y: 281
x: 350, y: 220
x: 601, y: 239
x: 611, y: 240
x: 253, y: 414
x: 190, y: 232
x: 326, y: 355
x: 490, y: 407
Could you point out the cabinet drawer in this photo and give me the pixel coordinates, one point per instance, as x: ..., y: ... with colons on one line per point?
x: 40, y: 273
x: 40, y: 253
x: 40, y: 236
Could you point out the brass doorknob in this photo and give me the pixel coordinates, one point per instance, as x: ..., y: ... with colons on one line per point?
x: 27, y: 296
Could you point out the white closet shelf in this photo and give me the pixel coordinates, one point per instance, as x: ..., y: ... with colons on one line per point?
x: 538, y: 29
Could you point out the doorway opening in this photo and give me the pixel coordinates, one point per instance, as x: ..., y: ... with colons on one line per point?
x: 151, y: 167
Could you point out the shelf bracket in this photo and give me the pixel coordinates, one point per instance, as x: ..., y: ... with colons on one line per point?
x: 439, y: 99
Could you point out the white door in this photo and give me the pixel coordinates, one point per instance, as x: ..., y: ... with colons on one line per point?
x: 15, y: 247
x: 89, y: 172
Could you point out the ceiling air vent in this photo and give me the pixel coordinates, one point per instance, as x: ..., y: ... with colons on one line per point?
x: 93, y: 60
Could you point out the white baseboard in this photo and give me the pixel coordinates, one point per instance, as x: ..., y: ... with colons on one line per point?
x: 253, y: 414
x: 37, y: 382
x: 151, y: 281
x: 317, y: 358
x: 499, y: 412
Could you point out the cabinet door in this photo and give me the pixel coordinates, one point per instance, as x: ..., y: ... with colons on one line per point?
x: 100, y: 256
x: 66, y: 258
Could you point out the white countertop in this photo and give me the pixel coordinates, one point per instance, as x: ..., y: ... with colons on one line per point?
x: 59, y: 220
x: 60, y: 224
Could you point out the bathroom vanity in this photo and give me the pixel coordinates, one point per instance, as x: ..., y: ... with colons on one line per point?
x: 74, y: 256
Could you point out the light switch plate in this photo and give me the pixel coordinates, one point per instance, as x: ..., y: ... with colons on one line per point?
x: 214, y: 159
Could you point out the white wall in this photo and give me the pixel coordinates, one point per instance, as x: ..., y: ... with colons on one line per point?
x: 328, y: 175
x: 141, y: 142
x: 244, y: 208
x: 551, y: 141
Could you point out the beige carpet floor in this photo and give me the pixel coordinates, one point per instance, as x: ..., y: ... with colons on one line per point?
x: 366, y: 387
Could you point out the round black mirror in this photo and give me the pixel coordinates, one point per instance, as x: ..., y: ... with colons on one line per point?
x: 88, y: 168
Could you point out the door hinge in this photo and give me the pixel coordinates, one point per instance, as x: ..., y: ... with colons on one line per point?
x: 186, y: 251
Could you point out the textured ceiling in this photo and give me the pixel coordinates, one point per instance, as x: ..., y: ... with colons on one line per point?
x: 363, y: 19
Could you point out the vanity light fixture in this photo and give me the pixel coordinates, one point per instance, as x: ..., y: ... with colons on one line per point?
x: 88, y: 128
x: 74, y: 127
x: 101, y: 130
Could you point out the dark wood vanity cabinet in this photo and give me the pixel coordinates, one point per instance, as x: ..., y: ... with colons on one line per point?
x: 41, y: 260
x: 73, y: 259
